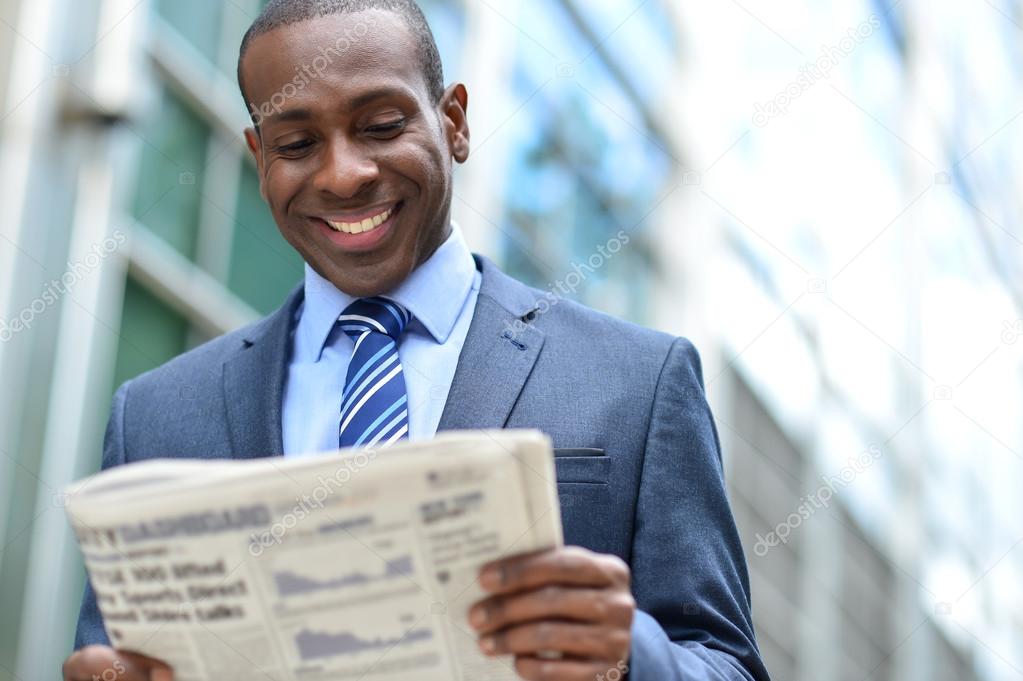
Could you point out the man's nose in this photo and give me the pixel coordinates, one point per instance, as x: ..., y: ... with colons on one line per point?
x: 346, y: 169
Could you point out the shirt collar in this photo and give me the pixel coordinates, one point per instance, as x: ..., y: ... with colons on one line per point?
x: 434, y: 293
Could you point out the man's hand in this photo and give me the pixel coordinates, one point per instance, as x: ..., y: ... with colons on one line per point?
x: 101, y: 663
x: 566, y: 614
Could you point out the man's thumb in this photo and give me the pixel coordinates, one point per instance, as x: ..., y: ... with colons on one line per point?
x: 161, y: 674
x: 146, y: 667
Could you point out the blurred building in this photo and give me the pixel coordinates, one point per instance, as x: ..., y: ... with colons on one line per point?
x: 820, y: 195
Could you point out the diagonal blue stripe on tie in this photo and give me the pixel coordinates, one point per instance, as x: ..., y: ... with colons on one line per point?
x: 372, y: 428
x: 390, y: 427
x: 349, y: 394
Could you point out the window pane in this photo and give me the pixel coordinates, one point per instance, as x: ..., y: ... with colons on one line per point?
x: 447, y: 22
x: 584, y: 172
x: 171, y: 173
x: 196, y: 20
x: 639, y: 40
x: 264, y: 267
x: 151, y: 333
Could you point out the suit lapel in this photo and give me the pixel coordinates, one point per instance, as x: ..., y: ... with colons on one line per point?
x: 500, y: 350
x: 254, y: 384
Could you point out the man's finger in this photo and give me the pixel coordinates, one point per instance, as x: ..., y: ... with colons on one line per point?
x: 536, y: 669
x: 576, y: 640
x: 553, y: 602
x: 571, y: 565
x: 103, y: 662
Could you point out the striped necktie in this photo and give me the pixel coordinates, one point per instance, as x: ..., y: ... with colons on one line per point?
x: 374, y: 405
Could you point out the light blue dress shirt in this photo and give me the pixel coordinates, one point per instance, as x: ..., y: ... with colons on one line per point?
x: 441, y: 295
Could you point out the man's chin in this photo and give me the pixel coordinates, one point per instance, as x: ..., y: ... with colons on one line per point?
x: 364, y: 280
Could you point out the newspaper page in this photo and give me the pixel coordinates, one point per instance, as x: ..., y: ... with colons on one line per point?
x: 359, y: 564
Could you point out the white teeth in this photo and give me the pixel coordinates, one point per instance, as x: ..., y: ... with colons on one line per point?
x: 360, y: 227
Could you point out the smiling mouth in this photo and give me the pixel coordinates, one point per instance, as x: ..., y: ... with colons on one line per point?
x: 367, y: 224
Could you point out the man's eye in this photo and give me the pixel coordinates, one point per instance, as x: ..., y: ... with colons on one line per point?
x: 387, y: 129
x: 294, y: 146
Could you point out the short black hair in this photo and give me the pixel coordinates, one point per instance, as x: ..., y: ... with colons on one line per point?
x: 278, y: 13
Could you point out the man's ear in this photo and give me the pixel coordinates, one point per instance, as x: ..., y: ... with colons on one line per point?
x: 454, y: 108
x: 255, y: 144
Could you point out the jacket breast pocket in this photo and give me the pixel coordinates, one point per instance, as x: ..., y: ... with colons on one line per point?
x: 581, y: 465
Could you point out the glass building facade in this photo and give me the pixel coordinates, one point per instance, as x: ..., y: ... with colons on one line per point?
x: 818, y: 194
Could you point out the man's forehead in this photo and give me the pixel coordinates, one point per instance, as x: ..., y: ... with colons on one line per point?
x: 371, y: 44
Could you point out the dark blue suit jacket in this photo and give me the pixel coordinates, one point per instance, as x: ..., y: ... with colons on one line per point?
x: 637, y: 453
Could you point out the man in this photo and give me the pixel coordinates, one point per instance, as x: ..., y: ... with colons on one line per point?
x: 399, y: 331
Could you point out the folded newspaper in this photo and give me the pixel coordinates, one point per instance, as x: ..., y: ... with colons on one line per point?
x: 359, y: 564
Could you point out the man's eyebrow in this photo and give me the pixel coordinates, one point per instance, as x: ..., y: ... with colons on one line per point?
x: 379, y: 93
x: 302, y: 114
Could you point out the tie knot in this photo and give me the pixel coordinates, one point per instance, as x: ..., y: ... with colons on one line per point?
x: 377, y: 314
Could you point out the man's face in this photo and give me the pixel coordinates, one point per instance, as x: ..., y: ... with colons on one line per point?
x: 356, y: 166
